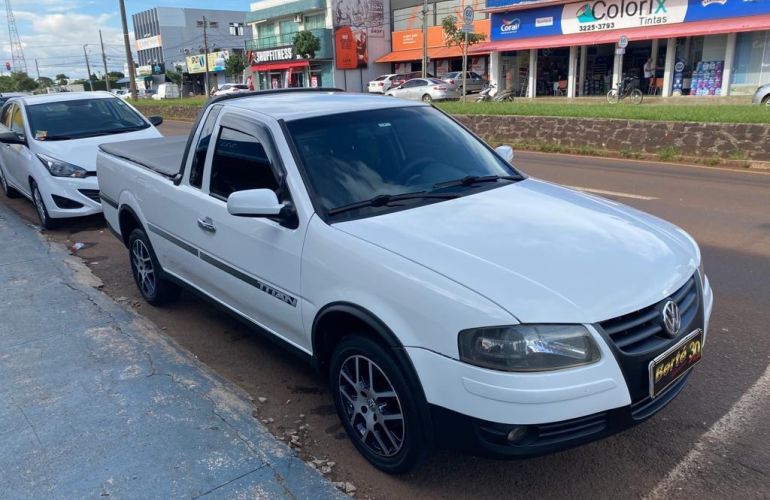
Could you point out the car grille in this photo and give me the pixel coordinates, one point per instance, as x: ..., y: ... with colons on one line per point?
x: 93, y: 194
x: 642, y: 331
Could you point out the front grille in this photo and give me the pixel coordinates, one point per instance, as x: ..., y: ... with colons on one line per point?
x: 571, y: 429
x: 93, y: 194
x: 642, y: 331
x: 647, y: 407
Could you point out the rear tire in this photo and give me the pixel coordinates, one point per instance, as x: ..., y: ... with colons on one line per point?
x: 148, y: 275
x: 636, y: 96
x: 766, y: 102
x: 427, y: 98
x: 46, y: 222
x: 377, y: 405
x: 7, y: 190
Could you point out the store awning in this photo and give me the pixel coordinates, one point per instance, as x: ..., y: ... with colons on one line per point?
x: 433, y: 53
x: 735, y: 25
x: 304, y: 63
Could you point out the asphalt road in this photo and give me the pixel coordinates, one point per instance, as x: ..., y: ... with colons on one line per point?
x: 713, y: 441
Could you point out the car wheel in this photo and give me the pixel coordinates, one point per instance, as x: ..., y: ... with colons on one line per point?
x: 8, y: 190
x: 46, y: 222
x: 427, y: 98
x: 377, y: 406
x: 147, y: 272
x: 766, y: 102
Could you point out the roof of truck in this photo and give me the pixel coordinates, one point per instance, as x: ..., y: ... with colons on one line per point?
x: 297, y: 104
x: 65, y: 96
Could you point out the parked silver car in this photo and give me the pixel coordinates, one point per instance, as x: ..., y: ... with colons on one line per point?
x: 762, y: 95
x: 473, y: 83
x: 425, y: 89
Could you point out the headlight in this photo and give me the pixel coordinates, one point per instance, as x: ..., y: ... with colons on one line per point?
x: 59, y: 168
x: 528, y: 348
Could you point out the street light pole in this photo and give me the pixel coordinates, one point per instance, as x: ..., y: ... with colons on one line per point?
x: 206, y: 52
x: 104, y: 60
x: 88, y: 68
x: 424, y: 38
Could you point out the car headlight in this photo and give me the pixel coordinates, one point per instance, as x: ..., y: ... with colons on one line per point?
x: 59, y: 168
x: 528, y: 348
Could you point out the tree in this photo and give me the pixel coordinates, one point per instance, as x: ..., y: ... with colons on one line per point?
x: 7, y: 84
x: 45, y: 82
x: 61, y: 79
x: 173, y: 76
x: 116, y: 75
x: 306, y: 44
x: 455, y: 36
x: 23, y: 82
x: 235, y: 65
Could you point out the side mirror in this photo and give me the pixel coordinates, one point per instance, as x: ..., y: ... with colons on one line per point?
x: 8, y: 137
x: 506, y: 152
x: 156, y: 120
x: 254, y: 203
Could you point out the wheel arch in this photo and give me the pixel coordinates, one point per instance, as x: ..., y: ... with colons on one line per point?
x: 128, y: 220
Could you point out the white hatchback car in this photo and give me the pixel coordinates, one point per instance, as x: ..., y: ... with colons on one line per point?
x: 49, y: 144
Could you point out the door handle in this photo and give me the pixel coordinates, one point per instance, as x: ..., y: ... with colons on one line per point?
x: 207, y: 225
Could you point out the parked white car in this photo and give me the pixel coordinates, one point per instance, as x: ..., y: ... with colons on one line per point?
x: 230, y: 88
x: 425, y: 89
x: 448, y: 298
x: 382, y: 83
x: 49, y: 143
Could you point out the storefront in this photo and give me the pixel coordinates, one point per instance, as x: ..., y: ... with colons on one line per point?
x: 407, y: 52
x: 277, y: 68
x: 666, y: 47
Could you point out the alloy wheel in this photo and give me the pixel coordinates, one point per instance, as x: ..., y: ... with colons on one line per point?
x: 3, y: 182
x: 372, y: 406
x: 143, y: 269
x: 39, y: 205
x: 426, y: 98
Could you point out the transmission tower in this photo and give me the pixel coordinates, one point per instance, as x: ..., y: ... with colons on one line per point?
x: 17, y: 54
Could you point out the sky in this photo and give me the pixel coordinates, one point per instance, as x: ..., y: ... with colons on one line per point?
x: 54, y: 31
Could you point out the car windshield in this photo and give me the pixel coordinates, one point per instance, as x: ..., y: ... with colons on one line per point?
x: 80, y: 118
x: 354, y: 157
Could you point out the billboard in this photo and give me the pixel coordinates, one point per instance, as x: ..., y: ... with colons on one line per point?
x: 350, y: 48
x: 217, y: 60
x: 149, y: 42
x: 354, y: 22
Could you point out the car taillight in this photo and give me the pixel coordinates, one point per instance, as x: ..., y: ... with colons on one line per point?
x: 380, y: 84
x: 451, y: 81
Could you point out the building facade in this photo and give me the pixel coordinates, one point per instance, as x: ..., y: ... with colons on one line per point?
x: 407, y: 26
x: 172, y: 38
x: 352, y: 35
x: 666, y: 47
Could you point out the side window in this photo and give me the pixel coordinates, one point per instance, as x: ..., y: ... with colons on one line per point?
x: 240, y: 162
x: 5, y: 118
x: 17, y: 121
x: 202, y: 147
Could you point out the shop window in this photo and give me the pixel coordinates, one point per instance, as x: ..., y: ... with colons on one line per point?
x: 752, y: 60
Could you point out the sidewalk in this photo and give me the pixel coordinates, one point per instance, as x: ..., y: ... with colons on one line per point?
x: 94, y: 402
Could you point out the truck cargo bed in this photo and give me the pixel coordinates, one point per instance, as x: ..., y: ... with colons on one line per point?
x: 162, y: 155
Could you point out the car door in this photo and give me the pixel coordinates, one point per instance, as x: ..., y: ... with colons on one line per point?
x: 415, y: 89
x: 16, y: 157
x: 251, y: 264
x: 476, y: 81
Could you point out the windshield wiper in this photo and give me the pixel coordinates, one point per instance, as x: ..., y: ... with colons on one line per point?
x: 386, y: 199
x: 470, y: 180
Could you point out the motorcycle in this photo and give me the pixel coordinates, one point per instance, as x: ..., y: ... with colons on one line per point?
x: 489, y: 93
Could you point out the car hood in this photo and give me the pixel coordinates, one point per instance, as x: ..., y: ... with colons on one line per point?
x: 82, y: 152
x: 540, y: 251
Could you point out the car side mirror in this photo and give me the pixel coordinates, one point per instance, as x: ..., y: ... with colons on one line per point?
x: 8, y: 137
x: 254, y: 203
x: 506, y: 152
x: 155, y: 120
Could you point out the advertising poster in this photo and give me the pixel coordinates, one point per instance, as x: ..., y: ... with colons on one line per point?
x: 217, y: 60
x: 350, y: 48
x: 362, y: 14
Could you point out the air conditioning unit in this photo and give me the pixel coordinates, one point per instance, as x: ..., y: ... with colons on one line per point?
x: 298, y: 18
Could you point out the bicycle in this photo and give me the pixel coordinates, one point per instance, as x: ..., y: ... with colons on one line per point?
x: 623, y: 91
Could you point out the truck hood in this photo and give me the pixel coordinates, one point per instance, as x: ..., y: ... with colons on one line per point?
x: 542, y: 252
x: 82, y: 152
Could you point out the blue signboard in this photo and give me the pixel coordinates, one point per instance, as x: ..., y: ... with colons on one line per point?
x: 608, y: 15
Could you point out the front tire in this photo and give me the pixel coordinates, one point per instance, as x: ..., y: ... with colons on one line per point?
x: 7, y: 190
x: 147, y: 272
x: 377, y: 405
x: 613, y: 97
x: 46, y: 222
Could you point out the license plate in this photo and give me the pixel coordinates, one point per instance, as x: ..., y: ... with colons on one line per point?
x: 674, y: 363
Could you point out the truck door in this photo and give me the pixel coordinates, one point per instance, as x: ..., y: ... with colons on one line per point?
x: 250, y: 264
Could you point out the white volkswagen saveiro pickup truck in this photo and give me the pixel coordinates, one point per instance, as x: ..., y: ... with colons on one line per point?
x: 450, y: 299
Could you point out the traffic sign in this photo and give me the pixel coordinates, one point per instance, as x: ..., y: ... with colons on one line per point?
x: 467, y: 28
x: 623, y: 42
x: 468, y: 15
x: 620, y: 51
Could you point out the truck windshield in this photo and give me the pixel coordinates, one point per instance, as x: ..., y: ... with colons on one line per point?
x: 353, y: 157
x: 81, y: 118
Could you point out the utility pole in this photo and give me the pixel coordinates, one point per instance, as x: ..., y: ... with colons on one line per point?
x: 424, y: 38
x: 88, y: 68
x: 127, y: 44
x: 37, y: 70
x: 206, y: 25
x: 104, y: 60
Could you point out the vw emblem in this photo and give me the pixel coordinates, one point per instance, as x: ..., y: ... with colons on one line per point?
x: 671, y: 319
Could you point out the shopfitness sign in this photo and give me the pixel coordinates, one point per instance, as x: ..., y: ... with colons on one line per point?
x: 272, y: 55
x: 602, y: 15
